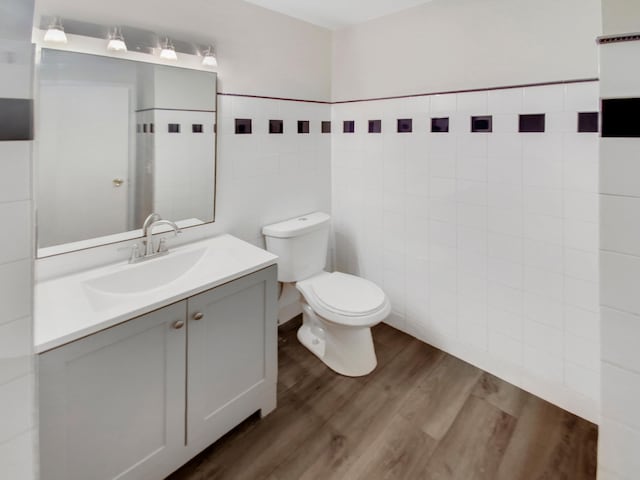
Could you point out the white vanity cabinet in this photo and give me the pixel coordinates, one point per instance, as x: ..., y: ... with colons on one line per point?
x: 139, y: 399
x: 112, y: 404
x: 226, y: 352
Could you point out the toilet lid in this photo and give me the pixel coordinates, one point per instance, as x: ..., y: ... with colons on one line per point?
x: 347, y: 294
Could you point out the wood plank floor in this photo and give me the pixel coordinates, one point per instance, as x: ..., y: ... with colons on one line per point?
x: 422, y: 414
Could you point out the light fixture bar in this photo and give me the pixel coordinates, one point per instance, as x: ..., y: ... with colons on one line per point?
x: 198, y: 54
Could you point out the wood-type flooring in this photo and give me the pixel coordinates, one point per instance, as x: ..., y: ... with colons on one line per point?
x: 422, y: 414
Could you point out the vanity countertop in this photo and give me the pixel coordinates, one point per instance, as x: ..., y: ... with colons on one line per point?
x: 73, y: 306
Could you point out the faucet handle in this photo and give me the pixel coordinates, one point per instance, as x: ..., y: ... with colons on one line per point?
x: 134, y: 250
x: 135, y: 253
x: 162, y: 245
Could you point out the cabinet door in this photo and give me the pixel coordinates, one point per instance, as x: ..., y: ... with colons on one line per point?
x: 232, y: 356
x: 112, y: 404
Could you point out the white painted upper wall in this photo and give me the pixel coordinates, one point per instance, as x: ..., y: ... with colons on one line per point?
x: 441, y: 45
x: 460, y: 44
x: 620, y: 16
x: 337, y: 13
x: 259, y: 52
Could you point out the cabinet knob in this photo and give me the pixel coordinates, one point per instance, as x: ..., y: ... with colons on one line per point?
x: 178, y: 324
x: 198, y: 316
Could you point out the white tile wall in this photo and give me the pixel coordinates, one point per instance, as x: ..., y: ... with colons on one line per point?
x: 619, y: 439
x: 17, y: 415
x: 620, y: 334
x: 606, y: 474
x: 621, y: 404
x: 619, y: 169
x: 183, y: 169
x: 508, y: 231
x: 15, y: 182
x: 263, y: 178
x: 618, y: 448
x: 620, y: 279
x: 620, y: 227
x: 17, y: 457
x: 16, y: 339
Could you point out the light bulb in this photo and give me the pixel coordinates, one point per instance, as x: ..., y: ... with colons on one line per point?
x: 55, y: 32
x: 209, y: 58
x: 116, y: 41
x: 168, y: 51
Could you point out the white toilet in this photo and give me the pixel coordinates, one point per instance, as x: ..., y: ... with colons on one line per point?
x: 338, y: 309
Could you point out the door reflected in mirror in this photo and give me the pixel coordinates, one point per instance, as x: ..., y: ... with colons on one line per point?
x: 117, y: 140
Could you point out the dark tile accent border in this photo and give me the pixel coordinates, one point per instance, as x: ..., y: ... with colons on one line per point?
x: 266, y: 97
x: 424, y: 94
x: 276, y: 126
x: 440, y: 125
x: 405, y: 125
x: 173, y: 110
x: 303, y: 126
x: 375, y: 126
x: 621, y: 117
x: 588, y: 122
x: 348, y: 126
x: 469, y: 90
x: 16, y: 119
x: 243, y: 126
x: 325, y: 126
x: 173, y: 128
x: 624, y: 37
x: 482, y: 124
x: 531, y: 123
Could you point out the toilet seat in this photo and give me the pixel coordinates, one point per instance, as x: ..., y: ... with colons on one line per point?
x: 345, y: 299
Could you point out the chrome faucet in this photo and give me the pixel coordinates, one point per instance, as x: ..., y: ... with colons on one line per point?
x: 152, y: 221
x: 153, y: 217
x: 148, y: 242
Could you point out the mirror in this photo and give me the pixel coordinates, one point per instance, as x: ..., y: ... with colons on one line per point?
x: 117, y: 140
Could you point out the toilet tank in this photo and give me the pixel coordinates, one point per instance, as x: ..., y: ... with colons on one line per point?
x: 301, y: 245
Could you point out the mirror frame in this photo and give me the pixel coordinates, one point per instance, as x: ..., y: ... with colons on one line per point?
x: 92, y: 46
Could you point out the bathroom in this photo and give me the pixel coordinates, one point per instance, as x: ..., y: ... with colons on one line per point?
x: 476, y: 159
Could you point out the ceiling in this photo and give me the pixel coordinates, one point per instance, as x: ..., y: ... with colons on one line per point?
x: 336, y: 13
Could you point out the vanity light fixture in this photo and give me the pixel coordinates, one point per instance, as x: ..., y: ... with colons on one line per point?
x: 116, y: 41
x: 55, y: 32
x: 209, y: 57
x: 168, y: 51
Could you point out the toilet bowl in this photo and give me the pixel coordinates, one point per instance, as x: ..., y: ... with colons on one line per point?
x: 338, y: 309
x: 337, y: 316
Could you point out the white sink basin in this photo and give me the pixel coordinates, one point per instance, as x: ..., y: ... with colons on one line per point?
x: 72, y: 306
x: 148, y: 274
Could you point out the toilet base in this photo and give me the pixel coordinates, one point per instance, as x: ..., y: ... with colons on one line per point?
x: 346, y: 350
